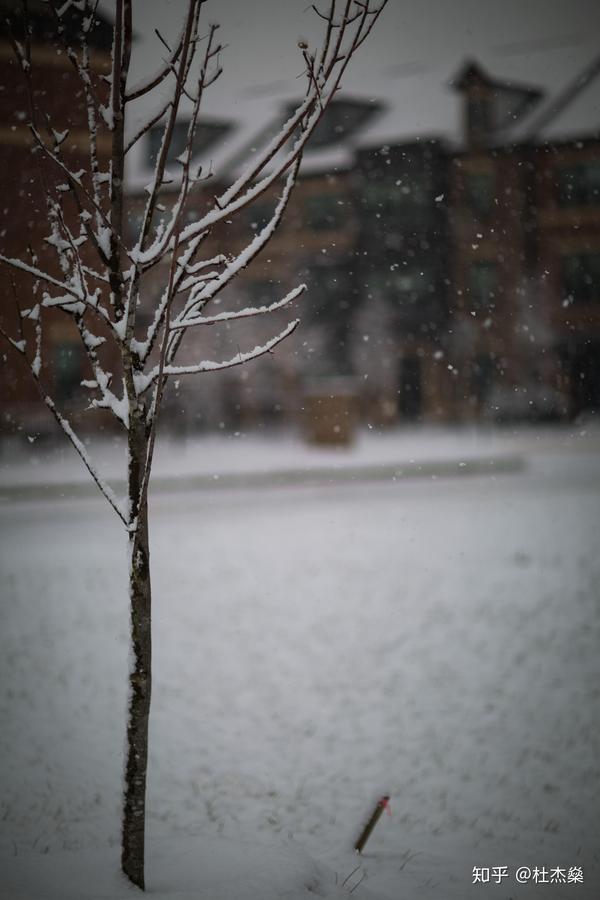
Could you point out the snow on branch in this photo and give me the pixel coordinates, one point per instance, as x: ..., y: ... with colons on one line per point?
x: 105, y: 234
x: 144, y: 256
x: 198, y: 298
x: 181, y: 74
x: 150, y: 123
x: 144, y: 348
x: 79, y: 446
x: 220, y: 212
x: 72, y: 298
x: 323, y: 84
x: 104, y: 487
x: 90, y: 342
x: 204, y: 263
x: 208, y: 365
x: 97, y: 273
x: 246, y: 313
x: 75, y: 293
x: 153, y: 81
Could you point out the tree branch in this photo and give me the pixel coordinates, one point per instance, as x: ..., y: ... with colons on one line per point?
x: 43, y: 276
x: 105, y: 489
x: 246, y: 313
x: 212, y: 366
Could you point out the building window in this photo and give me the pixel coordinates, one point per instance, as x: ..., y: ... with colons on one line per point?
x: 414, y: 283
x: 332, y: 294
x: 325, y: 212
x: 410, y: 388
x: 67, y: 368
x: 402, y: 198
x: 579, y: 185
x: 404, y: 288
x: 479, y: 112
x: 483, y: 284
x: 482, y: 377
x: 580, y: 277
x: 480, y: 193
x: 206, y: 135
x: 330, y: 301
x: 341, y: 119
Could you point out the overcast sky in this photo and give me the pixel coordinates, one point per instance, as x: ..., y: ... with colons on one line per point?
x: 262, y: 35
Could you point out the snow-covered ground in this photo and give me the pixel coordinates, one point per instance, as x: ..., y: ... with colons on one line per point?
x: 315, y: 646
x: 233, y: 456
x: 36, y: 469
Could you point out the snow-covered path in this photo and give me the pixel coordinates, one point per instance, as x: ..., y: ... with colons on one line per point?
x: 314, y: 647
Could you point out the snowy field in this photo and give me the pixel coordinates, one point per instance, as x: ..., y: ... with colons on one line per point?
x: 315, y: 646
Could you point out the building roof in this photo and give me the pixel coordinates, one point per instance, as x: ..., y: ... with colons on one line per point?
x: 572, y: 112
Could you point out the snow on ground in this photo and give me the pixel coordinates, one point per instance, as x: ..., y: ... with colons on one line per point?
x: 39, y: 465
x: 315, y: 646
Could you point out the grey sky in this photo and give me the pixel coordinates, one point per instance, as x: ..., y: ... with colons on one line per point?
x: 262, y: 34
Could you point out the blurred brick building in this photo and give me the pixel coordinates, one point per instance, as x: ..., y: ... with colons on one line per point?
x: 57, y: 93
x: 449, y: 280
x: 524, y: 219
x: 453, y: 272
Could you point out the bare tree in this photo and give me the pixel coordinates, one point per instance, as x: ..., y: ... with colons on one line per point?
x: 98, y: 279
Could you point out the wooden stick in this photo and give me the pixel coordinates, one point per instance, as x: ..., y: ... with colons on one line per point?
x: 381, y: 804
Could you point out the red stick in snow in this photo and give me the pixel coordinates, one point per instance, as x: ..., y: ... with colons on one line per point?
x: 382, y: 803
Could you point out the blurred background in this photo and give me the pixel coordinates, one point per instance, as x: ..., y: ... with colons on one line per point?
x: 447, y: 220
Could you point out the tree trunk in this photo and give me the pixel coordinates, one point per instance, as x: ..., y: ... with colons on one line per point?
x: 140, y: 682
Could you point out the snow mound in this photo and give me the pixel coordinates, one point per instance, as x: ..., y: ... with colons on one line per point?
x: 201, y: 868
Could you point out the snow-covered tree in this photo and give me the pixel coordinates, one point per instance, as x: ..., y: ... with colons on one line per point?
x: 98, y: 277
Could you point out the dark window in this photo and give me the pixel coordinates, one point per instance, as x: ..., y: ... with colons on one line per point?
x: 330, y: 291
x: 480, y: 192
x: 410, y: 388
x: 330, y: 301
x: 482, y: 377
x: 67, y: 368
x: 580, y: 277
x: 579, y: 185
x: 413, y: 283
x: 403, y: 197
x: 584, y: 376
x: 483, y: 284
x: 206, y: 135
x: 341, y: 119
x: 404, y: 286
x: 325, y: 212
x: 331, y: 294
x: 479, y: 112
